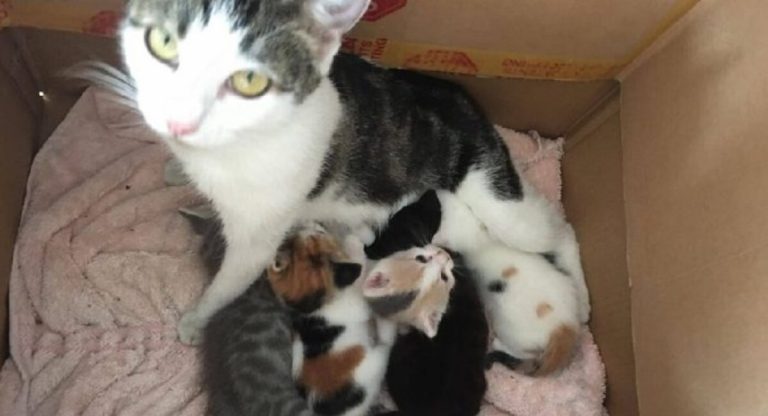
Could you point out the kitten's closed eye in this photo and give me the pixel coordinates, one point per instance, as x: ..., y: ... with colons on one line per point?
x: 421, y: 259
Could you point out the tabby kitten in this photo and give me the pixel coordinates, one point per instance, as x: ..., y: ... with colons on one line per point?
x: 341, y: 350
x: 443, y: 375
x: 532, y: 299
x: 275, y: 128
x: 247, y: 346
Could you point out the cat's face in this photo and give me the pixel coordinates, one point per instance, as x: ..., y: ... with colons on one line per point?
x: 412, y: 287
x: 309, y: 268
x: 210, y: 72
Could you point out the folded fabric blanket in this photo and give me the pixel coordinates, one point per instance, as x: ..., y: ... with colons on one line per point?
x: 104, y: 266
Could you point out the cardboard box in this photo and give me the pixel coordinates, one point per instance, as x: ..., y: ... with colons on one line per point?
x: 664, y: 104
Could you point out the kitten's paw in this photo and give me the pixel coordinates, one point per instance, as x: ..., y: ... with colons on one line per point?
x: 502, y: 358
x: 190, y: 329
x: 354, y: 248
x: 365, y: 234
x: 387, y: 331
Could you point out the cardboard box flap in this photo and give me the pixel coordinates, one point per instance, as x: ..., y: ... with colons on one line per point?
x: 568, y: 40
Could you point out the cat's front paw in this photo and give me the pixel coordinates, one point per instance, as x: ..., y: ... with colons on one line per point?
x: 190, y: 328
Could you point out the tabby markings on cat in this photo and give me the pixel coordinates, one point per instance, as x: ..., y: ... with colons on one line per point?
x: 274, y: 127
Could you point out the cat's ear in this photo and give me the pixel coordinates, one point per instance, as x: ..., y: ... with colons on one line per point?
x: 344, y: 274
x: 333, y: 19
x: 428, y: 323
x: 375, y: 285
x: 338, y: 15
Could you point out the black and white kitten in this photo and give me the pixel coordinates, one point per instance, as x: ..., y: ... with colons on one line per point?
x: 443, y: 375
x: 274, y: 128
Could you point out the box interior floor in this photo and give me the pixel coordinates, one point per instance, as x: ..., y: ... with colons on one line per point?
x: 664, y: 179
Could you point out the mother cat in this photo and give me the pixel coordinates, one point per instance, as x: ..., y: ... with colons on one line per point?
x: 271, y: 125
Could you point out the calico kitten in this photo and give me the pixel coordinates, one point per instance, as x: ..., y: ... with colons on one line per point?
x: 533, y: 301
x: 247, y: 346
x: 341, y: 352
x: 412, y: 287
x: 442, y: 375
x: 274, y: 129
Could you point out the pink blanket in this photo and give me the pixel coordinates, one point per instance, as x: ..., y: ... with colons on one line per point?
x: 104, y: 266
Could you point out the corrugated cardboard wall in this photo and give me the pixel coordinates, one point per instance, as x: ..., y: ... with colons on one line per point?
x: 565, y: 39
x: 695, y: 129
x: 594, y: 201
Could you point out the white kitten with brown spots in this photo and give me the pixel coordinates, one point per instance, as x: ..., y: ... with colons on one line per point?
x: 533, y: 302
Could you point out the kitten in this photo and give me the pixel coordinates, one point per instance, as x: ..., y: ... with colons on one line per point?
x: 412, y: 287
x: 275, y: 128
x: 341, y: 352
x: 443, y: 375
x: 255, y: 328
x: 533, y: 302
x: 247, y: 346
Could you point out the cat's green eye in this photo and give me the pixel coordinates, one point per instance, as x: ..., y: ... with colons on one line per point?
x: 162, y: 44
x: 249, y: 84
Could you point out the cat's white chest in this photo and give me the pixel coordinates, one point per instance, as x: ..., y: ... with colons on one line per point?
x: 266, y: 170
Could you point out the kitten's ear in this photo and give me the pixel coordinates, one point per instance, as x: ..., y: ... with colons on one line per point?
x: 428, y: 323
x: 200, y: 217
x: 344, y: 274
x: 280, y: 262
x: 376, y: 285
x: 334, y: 18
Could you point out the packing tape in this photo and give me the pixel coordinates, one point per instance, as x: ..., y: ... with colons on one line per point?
x: 479, y: 63
x: 102, y: 17
x: 483, y: 63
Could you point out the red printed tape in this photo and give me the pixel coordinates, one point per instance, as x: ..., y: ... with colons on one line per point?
x: 380, y: 8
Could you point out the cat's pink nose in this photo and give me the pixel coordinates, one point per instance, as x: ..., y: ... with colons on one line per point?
x: 181, y: 128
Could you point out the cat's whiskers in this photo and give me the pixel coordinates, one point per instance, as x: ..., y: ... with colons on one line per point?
x: 106, y: 77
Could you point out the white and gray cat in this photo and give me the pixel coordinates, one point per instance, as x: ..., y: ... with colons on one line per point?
x: 274, y: 127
